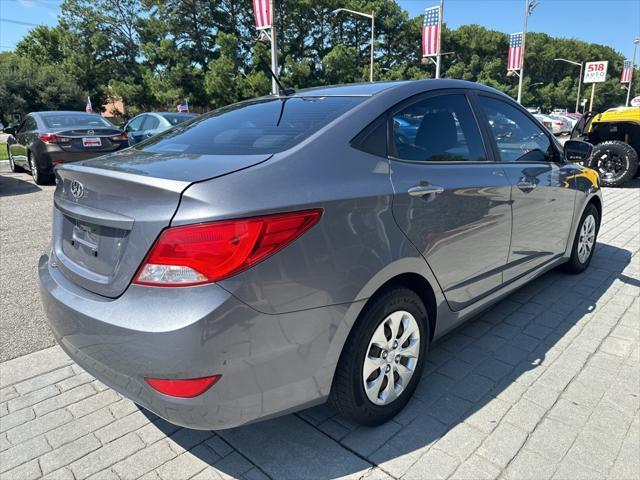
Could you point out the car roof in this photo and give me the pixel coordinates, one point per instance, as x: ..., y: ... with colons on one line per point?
x: 370, y: 89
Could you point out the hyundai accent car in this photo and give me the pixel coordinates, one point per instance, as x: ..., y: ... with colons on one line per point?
x: 46, y: 139
x: 291, y: 250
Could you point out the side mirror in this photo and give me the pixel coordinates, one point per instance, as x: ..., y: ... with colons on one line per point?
x: 577, y: 150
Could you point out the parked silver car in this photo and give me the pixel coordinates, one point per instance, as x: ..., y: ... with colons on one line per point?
x: 285, y: 251
x: 149, y: 124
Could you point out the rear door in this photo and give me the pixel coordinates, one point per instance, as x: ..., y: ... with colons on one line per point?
x: 26, y: 134
x: 450, y: 199
x: 542, y: 194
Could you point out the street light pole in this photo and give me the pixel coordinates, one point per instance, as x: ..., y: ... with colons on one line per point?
x: 439, y: 57
x: 529, y: 5
x: 579, y: 78
x: 275, y: 88
x: 633, y: 65
x: 373, y: 26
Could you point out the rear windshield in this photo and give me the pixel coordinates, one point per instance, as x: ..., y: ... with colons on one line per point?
x: 75, y: 120
x: 261, y: 126
x: 176, y: 118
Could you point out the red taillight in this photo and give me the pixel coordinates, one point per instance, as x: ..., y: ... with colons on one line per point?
x: 53, y: 138
x: 208, y: 252
x: 122, y: 137
x: 187, y: 388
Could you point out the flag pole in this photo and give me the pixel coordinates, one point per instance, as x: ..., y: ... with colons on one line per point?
x: 524, y: 37
x: 633, y: 65
x: 275, y: 89
x: 439, y: 57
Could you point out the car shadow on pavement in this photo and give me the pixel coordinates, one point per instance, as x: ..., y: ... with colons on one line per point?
x: 496, y: 365
x: 13, y: 185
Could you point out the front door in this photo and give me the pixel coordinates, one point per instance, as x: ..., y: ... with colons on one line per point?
x: 451, y: 202
x: 542, y: 194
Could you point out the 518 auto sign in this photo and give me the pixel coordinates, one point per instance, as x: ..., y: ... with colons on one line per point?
x: 595, y: 72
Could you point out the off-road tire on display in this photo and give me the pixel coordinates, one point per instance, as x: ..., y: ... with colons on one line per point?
x: 348, y: 396
x: 615, y: 161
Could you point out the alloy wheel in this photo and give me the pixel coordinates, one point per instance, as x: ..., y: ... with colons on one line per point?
x: 611, y: 166
x: 391, y: 357
x: 587, y: 238
x: 34, y: 168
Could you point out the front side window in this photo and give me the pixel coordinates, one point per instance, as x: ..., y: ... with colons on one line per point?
x: 437, y: 129
x: 261, y: 126
x: 518, y: 138
x: 136, y: 124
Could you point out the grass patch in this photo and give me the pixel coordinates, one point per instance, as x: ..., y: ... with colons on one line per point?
x: 3, y: 151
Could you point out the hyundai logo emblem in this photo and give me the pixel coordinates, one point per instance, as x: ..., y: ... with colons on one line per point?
x: 77, y: 189
x: 90, y: 132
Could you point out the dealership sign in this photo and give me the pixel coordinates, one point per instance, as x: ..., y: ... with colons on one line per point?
x: 635, y: 102
x: 595, y: 72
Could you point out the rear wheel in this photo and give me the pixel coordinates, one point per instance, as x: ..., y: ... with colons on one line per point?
x: 39, y: 177
x: 382, y: 360
x: 615, y: 161
x: 585, y: 241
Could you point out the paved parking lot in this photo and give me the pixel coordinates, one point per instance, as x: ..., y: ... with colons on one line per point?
x: 545, y: 384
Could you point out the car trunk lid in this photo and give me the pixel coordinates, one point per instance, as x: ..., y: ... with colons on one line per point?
x: 109, y: 211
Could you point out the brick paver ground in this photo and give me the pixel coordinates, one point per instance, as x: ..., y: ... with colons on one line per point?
x: 546, y: 384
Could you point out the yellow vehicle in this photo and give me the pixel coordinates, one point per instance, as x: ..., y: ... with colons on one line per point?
x: 615, y: 135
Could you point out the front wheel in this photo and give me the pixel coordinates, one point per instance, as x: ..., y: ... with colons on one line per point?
x: 615, y: 161
x: 12, y: 165
x: 382, y: 360
x: 585, y: 241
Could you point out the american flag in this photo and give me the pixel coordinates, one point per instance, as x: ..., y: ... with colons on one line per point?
x: 430, y: 32
x: 626, y: 72
x: 262, y: 13
x: 87, y: 107
x: 514, y: 61
x: 183, y: 106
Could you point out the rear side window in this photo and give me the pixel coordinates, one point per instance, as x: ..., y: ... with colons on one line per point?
x: 176, y: 118
x: 262, y: 126
x: 437, y: 129
x: 151, y: 122
x: 518, y: 138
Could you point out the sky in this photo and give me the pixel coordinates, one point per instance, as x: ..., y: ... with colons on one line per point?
x: 609, y: 22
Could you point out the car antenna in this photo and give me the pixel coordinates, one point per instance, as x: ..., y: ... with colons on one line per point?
x: 284, y: 91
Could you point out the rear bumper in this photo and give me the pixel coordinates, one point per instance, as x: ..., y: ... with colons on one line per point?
x: 52, y: 155
x: 270, y: 364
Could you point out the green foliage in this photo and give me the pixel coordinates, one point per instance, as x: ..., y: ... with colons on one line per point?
x: 154, y: 53
x: 27, y: 86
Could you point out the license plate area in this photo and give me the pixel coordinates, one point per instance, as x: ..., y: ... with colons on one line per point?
x: 89, y: 142
x: 96, y: 248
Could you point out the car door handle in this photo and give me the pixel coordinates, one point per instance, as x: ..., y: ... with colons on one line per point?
x: 524, y: 185
x: 422, y: 190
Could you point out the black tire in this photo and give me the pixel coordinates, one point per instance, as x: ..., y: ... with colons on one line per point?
x: 14, y: 168
x: 348, y: 397
x: 615, y: 161
x: 39, y: 177
x: 575, y: 264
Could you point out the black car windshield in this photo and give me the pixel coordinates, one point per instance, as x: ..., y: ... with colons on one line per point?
x: 176, y: 118
x: 75, y: 120
x: 262, y: 126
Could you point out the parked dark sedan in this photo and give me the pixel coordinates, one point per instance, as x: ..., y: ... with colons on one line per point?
x: 149, y: 124
x: 45, y: 139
